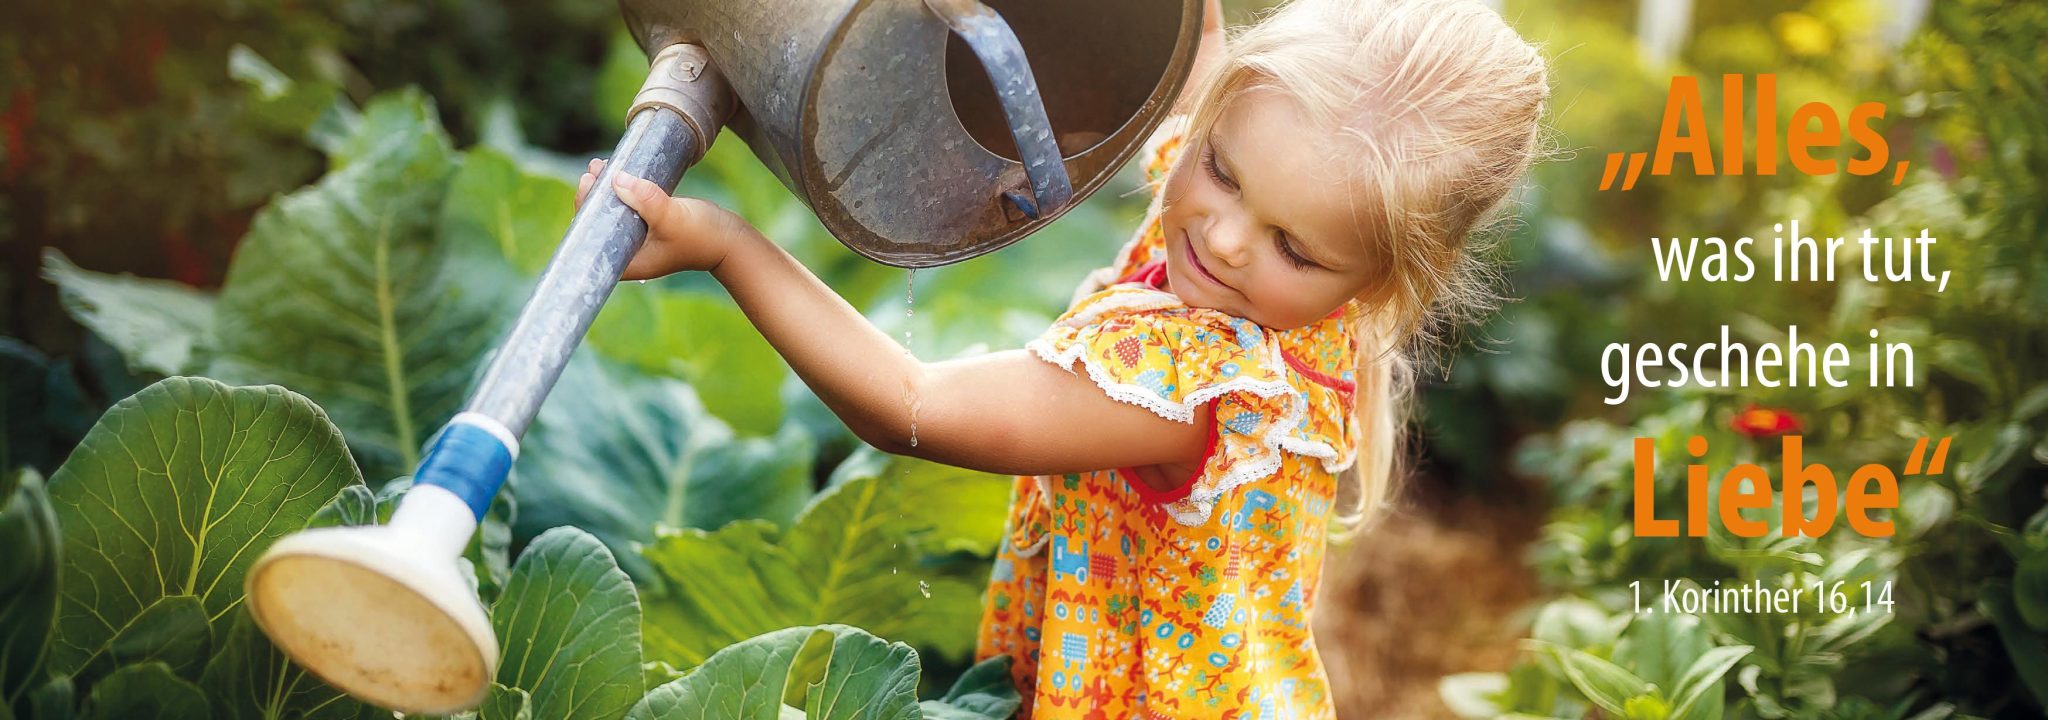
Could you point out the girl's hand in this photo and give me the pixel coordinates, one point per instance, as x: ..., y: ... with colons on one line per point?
x: 682, y: 233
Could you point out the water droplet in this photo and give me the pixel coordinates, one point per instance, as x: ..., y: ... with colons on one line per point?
x: 924, y: 589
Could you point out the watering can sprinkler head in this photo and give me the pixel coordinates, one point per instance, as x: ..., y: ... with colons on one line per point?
x: 386, y: 612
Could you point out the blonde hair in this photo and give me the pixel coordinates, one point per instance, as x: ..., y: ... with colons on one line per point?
x: 1441, y: 101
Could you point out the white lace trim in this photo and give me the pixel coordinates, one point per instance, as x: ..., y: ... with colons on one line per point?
x: 1278, y: 438
x: 1119, y: 298
x: 1201, y: 503
x: 1144, y: 397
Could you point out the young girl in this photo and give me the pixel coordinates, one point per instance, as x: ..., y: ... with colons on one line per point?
x: 1181, y: 436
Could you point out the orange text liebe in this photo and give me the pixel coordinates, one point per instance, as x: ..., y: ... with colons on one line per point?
x: 1870, y: 487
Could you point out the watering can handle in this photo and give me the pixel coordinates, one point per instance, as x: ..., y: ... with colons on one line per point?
x: 1009, y: 71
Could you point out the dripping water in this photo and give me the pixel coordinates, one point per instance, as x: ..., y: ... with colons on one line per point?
x: 909, y: 314
x: 909, y: 398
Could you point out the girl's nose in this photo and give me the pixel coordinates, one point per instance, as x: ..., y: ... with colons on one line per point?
x: 1230, y: 242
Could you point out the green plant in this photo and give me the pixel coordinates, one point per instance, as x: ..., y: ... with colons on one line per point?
x: 1951, y: 637
x: 770, y: 676
x: 855, y: 555
x: 124, y: 582
x: 377, y: 291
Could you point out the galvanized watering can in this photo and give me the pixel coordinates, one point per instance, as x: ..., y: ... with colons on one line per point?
x: 922, y: 132
x: 883, y: 116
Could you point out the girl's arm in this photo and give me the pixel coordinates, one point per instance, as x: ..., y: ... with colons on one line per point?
x: 1005, y: 412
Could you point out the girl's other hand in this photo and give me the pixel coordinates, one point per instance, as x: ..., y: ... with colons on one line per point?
x: 682, y: 233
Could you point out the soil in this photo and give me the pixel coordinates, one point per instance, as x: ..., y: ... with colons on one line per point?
x: 1438, y: 587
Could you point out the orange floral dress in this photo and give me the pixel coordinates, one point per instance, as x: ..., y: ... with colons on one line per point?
x: 1116, y: 600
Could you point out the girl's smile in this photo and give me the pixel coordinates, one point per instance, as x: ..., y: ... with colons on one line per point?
x: 1195, y: 260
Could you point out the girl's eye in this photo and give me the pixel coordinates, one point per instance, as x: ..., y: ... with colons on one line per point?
x: 1215, y: 173
x: 1287, y: 250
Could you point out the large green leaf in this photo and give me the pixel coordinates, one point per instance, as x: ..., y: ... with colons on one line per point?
x: 570, y: 623
x: 984, y: 692
x: 159, y: 326
x: 176, y: 491
x: 498, y: 209
x: 250, y: 679
x: 147, y: 690
x: 962, y: 510
x: 852, y: 557
x: 173, y: 631
x: 865, y: 677
x: 655, y: 459
x: 341, y: 291
x: 393, y: 124
x: 700, y: 338
x: 30, y: 555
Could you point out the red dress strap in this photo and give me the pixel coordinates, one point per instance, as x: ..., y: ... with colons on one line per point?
x: 1152, y: 274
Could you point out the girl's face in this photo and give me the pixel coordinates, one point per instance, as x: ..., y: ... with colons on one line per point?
x: 1257, y: 223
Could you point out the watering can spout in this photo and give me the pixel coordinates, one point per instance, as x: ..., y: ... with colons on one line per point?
x: 385, y: 613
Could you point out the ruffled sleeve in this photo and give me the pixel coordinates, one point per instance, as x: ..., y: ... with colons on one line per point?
x: 1144, y: 347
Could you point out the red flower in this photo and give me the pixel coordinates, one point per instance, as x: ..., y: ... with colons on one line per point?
x: 1758, y: 421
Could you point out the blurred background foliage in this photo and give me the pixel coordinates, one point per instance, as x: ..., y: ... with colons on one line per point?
x: 149, y: 137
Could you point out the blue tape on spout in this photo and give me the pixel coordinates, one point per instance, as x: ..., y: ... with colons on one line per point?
x: 469, y: 461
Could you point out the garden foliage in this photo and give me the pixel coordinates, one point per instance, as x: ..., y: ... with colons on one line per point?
x: 671, y: 472
x: 1961, y: 591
